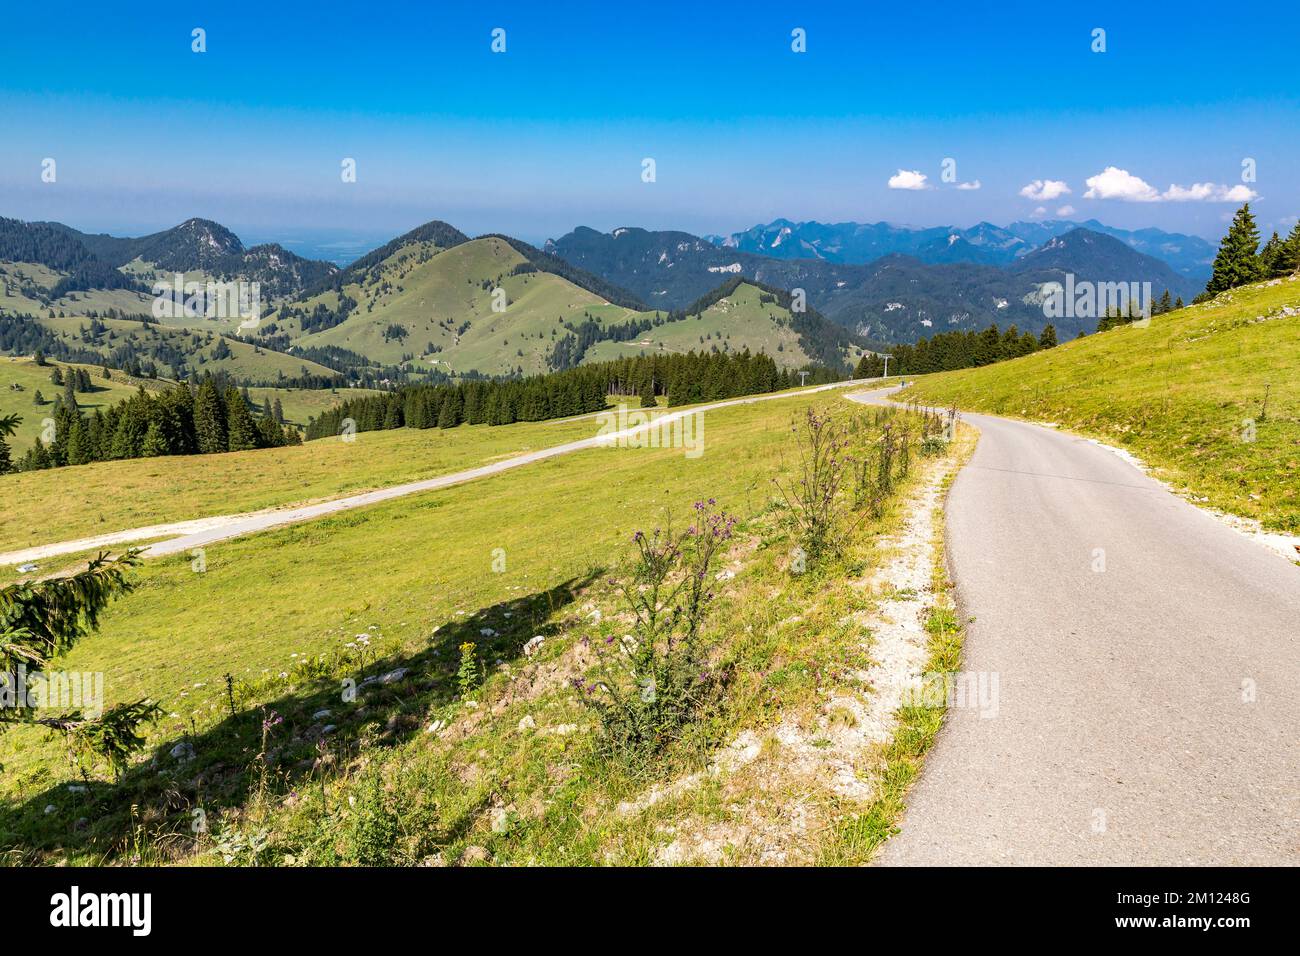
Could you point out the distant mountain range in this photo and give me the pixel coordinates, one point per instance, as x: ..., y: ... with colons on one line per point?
x: 895, y: 297
x: 431, y: 302
x: 435, y: 301
x: 985, y: 243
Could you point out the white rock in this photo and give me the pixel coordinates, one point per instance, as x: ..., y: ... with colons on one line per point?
x: 533, y: 646
x: 527, y: 723
x: 183, y: 751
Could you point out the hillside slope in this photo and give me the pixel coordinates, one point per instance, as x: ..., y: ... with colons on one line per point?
x: 429, y: 300
x: 1207, y: 395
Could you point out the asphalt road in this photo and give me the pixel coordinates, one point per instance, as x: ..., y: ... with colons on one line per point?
x: 1147, y: 666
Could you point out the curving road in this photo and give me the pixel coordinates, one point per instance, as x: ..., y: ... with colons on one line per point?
x: 1147, y: 660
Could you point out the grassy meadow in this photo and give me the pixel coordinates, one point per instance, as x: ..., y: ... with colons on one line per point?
x: 87, y: 500
x: 21, y: 378
x: 1209, y: 396
x: 455, y: 754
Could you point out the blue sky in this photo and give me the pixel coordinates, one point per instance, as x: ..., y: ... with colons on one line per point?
x: 552, y: 133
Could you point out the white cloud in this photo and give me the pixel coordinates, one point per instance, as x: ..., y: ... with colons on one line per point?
x: 1040, y: 211
x: 908, y: 179
x: 1114, y: 183
x: 972, y: 185
x: 1045, y: 190
x: 1238, y: 193
x: 1066, y: 210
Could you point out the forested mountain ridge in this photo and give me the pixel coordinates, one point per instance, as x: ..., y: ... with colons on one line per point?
x: 894, y: 298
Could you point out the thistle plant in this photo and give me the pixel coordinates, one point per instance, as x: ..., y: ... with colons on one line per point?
x: 814, y: 498
x: 654, y: 681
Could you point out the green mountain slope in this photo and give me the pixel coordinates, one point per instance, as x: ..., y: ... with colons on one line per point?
x: 434, y: 306
x: 21, y: 380
x: 1207, y: 395
x: 176, y: 353
x: 493, y: 306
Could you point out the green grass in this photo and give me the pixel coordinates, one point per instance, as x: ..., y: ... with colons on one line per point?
x: 302, y: 404
x: 21, y: 378
x: 87, y: 500
x: 277, y: 610
x: 739, y: 321
x: 1181, y: 394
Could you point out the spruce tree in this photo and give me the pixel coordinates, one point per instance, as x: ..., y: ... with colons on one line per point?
x: 1047, y: 340
x: 8, y: 425
x: 209, y: 419
x: 450, y: 415
x: 1269, y: 255
x: 154, y: 443
x: 1236, y: 263
x: 241, y: 430
x: 1288, y: 258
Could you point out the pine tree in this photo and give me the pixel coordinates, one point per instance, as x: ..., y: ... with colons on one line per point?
x: 209, y: 419
x: 1236, y: 263
x: 450, y: 415
x: 241, y: 430
x: 154, y: 442
x: 8, y: 425
x: 278, y: 411
x: 1269, y: 255
x: 647, y: 393
x: 1288, y: 258
x: 1047, y: 340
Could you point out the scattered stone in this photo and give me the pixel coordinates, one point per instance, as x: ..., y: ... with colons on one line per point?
x: 320, y: 714
x: 533, y: 646
x: 527, y: 723
x: 183, y: 751
x: 76, y: 788
x: 436, y: 726
x: 474, y: 854
x: 328, y: 729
